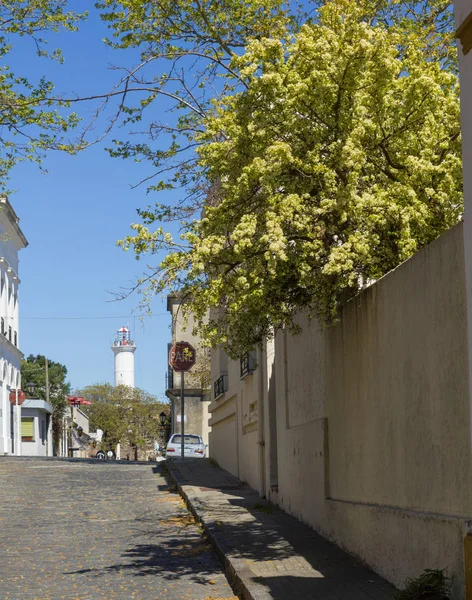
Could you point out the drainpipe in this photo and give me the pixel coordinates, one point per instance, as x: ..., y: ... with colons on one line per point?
x: 173, y: 400
x: 260, y: 423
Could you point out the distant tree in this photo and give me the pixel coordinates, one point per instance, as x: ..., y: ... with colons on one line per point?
x: 126, y: 415
x: 33, y: 370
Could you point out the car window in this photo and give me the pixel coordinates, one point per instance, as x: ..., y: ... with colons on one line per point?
x: 188, y: 439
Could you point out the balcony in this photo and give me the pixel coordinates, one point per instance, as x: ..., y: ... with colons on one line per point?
x: 170, y: 371
x: 170, y: 379
x: 220, y: 386
x: 248, y: 364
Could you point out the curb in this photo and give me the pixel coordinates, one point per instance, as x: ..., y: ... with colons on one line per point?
x: 93, y: 461
x: 239, y: 575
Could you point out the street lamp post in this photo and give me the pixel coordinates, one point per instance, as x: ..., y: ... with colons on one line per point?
x: 182, y: 357
x: 164, y: 420
x: 31, y: 386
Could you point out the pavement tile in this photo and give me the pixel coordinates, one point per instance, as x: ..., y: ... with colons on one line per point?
x: 267, y: 553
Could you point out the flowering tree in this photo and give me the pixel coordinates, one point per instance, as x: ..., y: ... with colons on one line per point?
x: 337, y: 159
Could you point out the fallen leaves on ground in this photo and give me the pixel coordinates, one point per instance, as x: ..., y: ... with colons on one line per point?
x: 215, y: 598
x: 180, y: 521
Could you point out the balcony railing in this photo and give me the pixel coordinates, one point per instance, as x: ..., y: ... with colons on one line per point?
x: 220, y: 386
x: 170, y: 371
x: 248, y: 364
x: 170, y: 379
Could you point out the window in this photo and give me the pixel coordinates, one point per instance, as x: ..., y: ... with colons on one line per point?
x: 248, y: 364
x: 15, y: 339
x: 2, y: 325
x: 220, y: 385
x: 188, y: 439
x: 9, y: 332
x: 27, y: 429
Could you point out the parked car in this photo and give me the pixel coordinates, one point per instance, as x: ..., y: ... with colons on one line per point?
x: 193, y: 446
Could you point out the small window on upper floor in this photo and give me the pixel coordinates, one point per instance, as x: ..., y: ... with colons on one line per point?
x: 15, y: 338
x: 9, y: 332
x: 2, y: 326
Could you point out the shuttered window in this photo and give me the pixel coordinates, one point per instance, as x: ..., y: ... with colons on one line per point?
x: 27, y: 429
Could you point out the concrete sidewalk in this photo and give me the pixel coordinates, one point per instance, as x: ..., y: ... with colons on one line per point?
x: 267, y: 553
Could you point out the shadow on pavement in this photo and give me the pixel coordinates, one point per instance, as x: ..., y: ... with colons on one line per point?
x: 171, y: 559
x: 274, y: 549
x: 169, y: 543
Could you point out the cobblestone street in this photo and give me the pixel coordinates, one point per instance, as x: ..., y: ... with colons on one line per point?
x: 83, y: 531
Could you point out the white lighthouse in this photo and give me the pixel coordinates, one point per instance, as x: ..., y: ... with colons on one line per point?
x: 123, y: 348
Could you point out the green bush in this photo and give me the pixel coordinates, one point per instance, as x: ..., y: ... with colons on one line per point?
x: 433, y: 584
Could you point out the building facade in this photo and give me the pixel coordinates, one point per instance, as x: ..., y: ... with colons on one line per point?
x: 196, y: 381
x: 36, y: 428
x: 362, y: 429
x: 12, y: 241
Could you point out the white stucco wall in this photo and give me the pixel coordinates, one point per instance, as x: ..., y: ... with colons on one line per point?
x: 366, y: 437
x: 11, y: 242
x: 124, y: 365
x: 224, y: 440
x: 42, y: 444
x: 80, y: 418
x: 381, y: 464
x: 236, y: 415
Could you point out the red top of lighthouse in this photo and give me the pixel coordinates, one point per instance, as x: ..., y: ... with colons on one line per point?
x: 123, y: 337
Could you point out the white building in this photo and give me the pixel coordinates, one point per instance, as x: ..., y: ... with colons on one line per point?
x: 36, y: 428
x: 124, y: 348
x: 12, y: 241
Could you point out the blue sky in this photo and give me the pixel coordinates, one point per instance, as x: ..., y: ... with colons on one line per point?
x: 72, y: 218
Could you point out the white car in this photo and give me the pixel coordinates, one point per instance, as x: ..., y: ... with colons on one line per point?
x: 193, y: 446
